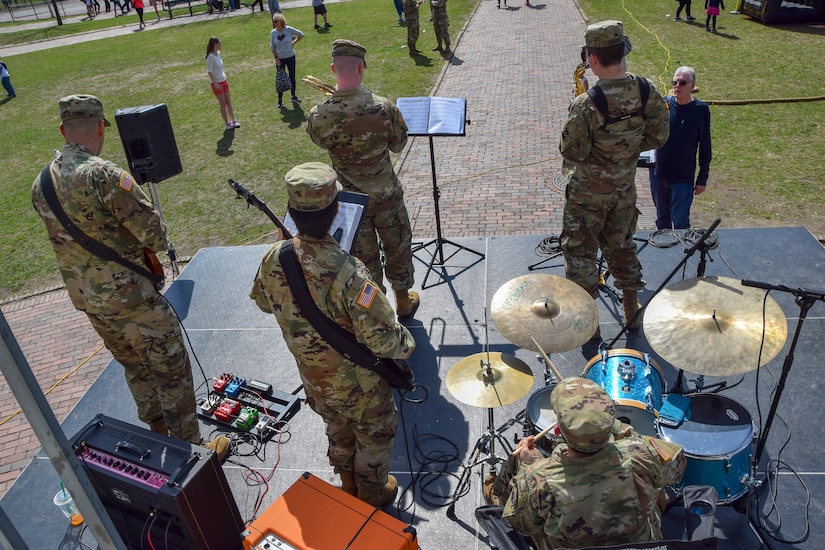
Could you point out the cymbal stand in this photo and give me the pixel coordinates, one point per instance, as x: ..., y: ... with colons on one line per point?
x: 486, y: 444
x: 437, y: 258
x: 677, y: 388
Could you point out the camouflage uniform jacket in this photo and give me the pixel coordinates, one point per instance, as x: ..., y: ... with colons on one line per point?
x: 602, y: 499
x: 341, y: 287
x: 603, y: 160
x: 106, y: 203
x: 359, y: 129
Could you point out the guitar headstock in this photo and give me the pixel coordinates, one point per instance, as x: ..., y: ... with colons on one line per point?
x: 245, y: 194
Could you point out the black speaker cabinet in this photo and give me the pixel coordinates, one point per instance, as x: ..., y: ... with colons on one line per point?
x: 146, y: 133
x: 159, y: 489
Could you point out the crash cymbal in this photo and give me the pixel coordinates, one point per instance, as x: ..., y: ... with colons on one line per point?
x: 508, y: 380
x: 714, y: 326
x: 558, y: 313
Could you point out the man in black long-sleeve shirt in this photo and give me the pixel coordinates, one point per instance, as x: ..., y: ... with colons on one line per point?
x: 671, y: 182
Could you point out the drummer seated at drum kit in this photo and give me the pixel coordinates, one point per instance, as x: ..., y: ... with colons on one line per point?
x: 602, y: 485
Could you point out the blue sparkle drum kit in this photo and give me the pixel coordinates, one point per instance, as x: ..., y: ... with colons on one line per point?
x: 706, y: 326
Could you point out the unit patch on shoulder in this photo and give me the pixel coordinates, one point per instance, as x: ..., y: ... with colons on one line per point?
x: 126, y: 182
x: 368, y: 294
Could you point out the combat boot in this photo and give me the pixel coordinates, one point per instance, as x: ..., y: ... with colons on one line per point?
x: 348, y: 483
x: 407, y: 302
x: 381, y: 497
x: 630, y: 301
x: 221, y: 447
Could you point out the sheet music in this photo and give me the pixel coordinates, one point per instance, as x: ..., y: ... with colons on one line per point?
x: 434, y: 116
x: 345, y: 226
x: 416, y: 114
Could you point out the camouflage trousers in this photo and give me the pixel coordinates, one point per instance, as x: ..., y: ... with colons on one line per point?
x: 413, y: 28
x: 147, y: 342
x: 360, y: 432
x: 601, y: 221
x: 392, y: 226
x: 441, y: 23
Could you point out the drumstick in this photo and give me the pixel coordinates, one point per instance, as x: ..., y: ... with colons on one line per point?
x: 556, y: 373
x: 539, y: 437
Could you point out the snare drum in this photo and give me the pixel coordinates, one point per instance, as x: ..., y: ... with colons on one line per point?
x: 541, y: 416
x: 717, y: 442
x: 638, y: 416
x: 628, y: 374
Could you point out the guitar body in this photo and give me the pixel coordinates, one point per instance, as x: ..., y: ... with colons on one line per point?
x: 400, y: 374
x: 150, y: 258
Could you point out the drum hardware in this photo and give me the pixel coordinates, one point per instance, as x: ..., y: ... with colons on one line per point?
x: 640, y: 312
x: 500, y: 380
x: 559, y: 312
x: 550, y: 369
x: 715, y: 326
x: 805, y: 299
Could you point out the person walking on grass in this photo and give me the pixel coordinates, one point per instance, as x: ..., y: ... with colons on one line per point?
x: 320, y: 9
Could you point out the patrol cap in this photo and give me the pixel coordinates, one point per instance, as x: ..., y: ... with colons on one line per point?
x: 81, y: 106
x: 585, y: 413
x: 604, y: 34
x: 348, y: 47
x: 311, y: 186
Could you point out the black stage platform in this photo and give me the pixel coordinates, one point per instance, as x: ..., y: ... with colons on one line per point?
x: 229, y: 334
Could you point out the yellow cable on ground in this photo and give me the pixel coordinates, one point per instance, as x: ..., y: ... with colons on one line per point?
x: 65, y: 376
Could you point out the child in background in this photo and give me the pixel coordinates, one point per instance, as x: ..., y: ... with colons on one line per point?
x: 4, y: 76
x: 320, y: 9
x: 712, y: 9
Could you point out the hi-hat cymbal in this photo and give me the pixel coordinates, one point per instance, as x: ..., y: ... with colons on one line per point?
x: 557, y: 312
x: 714, y: 326
x: 508, y: 380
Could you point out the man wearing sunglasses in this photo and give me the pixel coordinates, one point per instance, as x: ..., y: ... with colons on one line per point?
x: 671, y: 181
x: 600, y: 148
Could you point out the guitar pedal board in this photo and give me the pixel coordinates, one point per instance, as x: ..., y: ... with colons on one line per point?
x: 247, y: 405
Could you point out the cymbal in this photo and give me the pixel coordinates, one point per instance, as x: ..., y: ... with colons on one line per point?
x: 508, y: 380
x: 714, y: 325
x: 557, y: 312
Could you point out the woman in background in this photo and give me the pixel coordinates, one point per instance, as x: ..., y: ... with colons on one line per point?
x: 218, y: 82
x: 282, y: 38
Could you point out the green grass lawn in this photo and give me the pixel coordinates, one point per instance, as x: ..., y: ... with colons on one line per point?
x: 168, y: 66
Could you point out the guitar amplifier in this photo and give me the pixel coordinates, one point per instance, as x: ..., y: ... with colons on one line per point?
x: 314, y: 515
x: 159, y: 489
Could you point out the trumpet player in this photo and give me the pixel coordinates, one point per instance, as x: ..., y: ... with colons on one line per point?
x: 359, y: 129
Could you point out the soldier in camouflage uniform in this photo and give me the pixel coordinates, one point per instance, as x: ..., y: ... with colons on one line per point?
x: 413, y: 26
x: 136, y: 323
x: 355, y: 403
x: 600, y: 487
x: 600, y: 167
x: 441, y: 24
x: 359, y: 129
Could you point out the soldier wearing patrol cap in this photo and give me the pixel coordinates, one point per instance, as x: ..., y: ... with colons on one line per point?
x: 600, y: 486
x: 134, y: 320
x: 355, y: 403
x: 599, y: 164
x: 359, y: 129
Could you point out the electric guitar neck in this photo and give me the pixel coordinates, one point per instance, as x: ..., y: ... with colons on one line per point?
x: 252, y: 200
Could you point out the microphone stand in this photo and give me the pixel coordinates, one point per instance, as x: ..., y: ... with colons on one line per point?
x: 805, y: 298
x: 700, y: 245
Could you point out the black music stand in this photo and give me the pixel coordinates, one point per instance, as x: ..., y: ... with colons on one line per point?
x: 436, y: 116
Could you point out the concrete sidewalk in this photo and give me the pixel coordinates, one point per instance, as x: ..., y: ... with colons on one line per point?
x: 515, y: 67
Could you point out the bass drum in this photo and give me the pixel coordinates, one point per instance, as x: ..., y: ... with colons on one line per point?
x: 541, y: 416
x: 717, y: 442
x: 628, y: 374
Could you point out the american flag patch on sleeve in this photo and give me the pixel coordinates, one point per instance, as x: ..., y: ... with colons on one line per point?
x: 126, y: 182
x: 368, y: 294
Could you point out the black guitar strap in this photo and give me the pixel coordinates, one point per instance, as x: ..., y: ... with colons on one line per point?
x: 94, y: 247
x: 336, y: 336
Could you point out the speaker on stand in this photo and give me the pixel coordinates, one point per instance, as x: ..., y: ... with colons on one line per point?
x: 151, y: 151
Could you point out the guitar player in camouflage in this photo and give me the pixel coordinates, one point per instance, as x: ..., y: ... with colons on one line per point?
x: 136, y: 323
x: 355, y: 403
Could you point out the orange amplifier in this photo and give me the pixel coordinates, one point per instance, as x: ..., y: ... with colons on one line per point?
x: 314, y: 515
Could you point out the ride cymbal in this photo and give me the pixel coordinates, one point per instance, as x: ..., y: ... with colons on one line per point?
x: 507, y: 380
x: 714, y: 326
x: 558, y: 313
